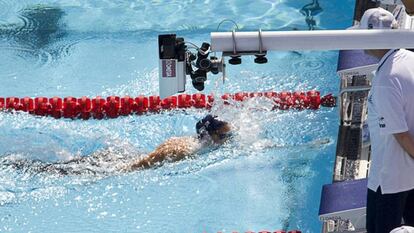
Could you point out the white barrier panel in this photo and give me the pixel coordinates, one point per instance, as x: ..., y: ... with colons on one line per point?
x: 312, y: 40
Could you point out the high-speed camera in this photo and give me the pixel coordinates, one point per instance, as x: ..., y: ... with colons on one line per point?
x: 177, y: 61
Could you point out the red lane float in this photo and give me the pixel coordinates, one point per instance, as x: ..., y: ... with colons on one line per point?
x: 184, y: 101
x: 154, y: 103
x: 115, y: 106
x: 141, y: 104
x: 169, y: 103
x: 98, y: 108
x: 2, y: 103
x: 27, y: 104
x: 199, y: 101
x: 127, y: 104
x: 56, y: 107
x: 42, y: 106
x: 70, y: 107
x: 85, y: 107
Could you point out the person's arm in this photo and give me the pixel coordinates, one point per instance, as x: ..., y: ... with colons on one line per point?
x: 406, y: 141
x: 173, y: 149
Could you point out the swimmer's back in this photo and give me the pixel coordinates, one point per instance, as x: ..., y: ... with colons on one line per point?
x: 177, y: 148
x: 174, y: 149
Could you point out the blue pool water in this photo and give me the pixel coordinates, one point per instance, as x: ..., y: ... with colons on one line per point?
x: 76, y: 48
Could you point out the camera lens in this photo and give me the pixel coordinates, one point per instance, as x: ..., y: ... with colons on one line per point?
x: 198, y: 85
x: 202, y: 57
x: 205, y: 64
x: 199, y: 77
x: 214, y: 66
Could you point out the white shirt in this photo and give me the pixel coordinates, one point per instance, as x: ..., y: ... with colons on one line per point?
x: 391, y: 111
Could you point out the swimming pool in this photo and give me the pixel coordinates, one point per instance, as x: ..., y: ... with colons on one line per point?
x: 76, y: 48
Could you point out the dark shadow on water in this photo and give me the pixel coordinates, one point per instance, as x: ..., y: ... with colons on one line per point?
x: 310, y: 11
x: 40, y: 27
x: 44, y: 26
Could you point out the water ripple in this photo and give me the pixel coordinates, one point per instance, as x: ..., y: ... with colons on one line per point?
x: 63, y: 48
x: 27, y: 25
x: 308, y: 64
x: 16, y: 60
x: 5, y: 6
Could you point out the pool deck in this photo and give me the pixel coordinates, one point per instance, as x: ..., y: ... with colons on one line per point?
x: 353, y: 144
x: 352, y: 154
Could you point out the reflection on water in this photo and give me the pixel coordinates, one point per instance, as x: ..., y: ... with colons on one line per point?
x: 39, y: 27
x: 31, y: 41
x: 310, y: 11
x: 42, y: 26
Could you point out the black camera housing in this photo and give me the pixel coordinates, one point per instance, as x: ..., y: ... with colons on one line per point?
x: 203, y: 65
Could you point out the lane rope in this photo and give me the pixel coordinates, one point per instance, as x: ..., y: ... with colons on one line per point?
x: 116, y: 106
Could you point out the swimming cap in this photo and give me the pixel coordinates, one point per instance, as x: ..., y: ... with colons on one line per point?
x: 208, y: 124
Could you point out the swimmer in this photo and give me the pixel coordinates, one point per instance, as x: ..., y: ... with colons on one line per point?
x: 210, y: 132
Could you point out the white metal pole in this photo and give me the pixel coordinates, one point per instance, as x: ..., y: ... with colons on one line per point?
x: 312, y: 40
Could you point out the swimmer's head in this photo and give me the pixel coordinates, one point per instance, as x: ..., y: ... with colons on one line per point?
x: 210, y: 128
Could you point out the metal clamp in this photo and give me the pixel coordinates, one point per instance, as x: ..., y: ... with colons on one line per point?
x: 233, y: 35
x: 261, y: 43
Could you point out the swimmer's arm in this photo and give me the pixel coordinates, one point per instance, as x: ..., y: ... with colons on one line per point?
x: 173, y: 149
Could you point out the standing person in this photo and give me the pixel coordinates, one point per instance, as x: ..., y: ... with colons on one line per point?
x: 391, y: 123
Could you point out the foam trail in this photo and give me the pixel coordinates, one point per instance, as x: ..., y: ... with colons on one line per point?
x: 314, y: 144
